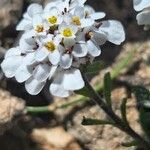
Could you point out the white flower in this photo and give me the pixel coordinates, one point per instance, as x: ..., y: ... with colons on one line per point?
x: 26, y: 22
x: 40, y: 74
x: 53, y: 16
x: 50, y: 48
x: 78, y: 18
x: 68, y: 34
x: 15, y: 64
x: 25, y: 69
x: 143, y: 18
x: 28, y: 42
x: 39, y: 25
x: 56, y: 41
x: 89, y: 38
x: 74, y: 3
x: 51, y: 5
x: 113, y: 30
x: 141, y: 4
x: 90, y: 13
x: 68, y: 54
x: 65, y: 82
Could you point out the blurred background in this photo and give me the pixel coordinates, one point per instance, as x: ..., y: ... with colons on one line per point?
x: 62, y: 129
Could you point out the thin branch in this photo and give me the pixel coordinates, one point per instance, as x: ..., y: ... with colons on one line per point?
x: 117, y: 120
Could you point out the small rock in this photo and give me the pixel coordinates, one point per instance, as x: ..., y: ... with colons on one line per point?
x: 54, y: 139
x: 10, y: 107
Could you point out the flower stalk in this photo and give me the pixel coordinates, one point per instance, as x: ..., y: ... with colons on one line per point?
x: 119, y: 123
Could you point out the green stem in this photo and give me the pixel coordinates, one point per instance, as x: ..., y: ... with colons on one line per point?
x: 41, y: 109
x: 117, y: 120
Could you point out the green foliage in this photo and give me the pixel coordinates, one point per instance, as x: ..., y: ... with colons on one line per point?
x: 89, y: 121
x: 130, y: 144
x: 143, y: 96
x: 84, y: 92
x: 107, y: 88
x: 141, y: 93
x: 93, y: 68
x: 122, y: 64
x: 123, y: 110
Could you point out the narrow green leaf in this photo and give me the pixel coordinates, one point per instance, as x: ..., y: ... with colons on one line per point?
x: 143, y: 97
x: 123, y: 110
x: 141, y: 93
x: 93, y: 68
x: 89, y: 121
x: 107, y: 88
x: 84, y: 92
x: 130, y: 144
x: 38, y: 109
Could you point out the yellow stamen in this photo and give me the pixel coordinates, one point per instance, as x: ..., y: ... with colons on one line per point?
x: 39, y: 28
x: 67, y: 32
x: 50, y: 46
x: 76, y: 20
x: 87, y: 13
x: 52, y: 20
x: 90, y: 34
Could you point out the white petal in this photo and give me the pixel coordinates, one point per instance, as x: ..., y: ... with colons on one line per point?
x: 59, y: 19
x: 62, y: 27
x: 141, y: 4
x: 52, y: 71
x: 24, y: 24
x: 80, y: 50
x: 80, y: 37
x: 143, y: 18
x: 114, y: 31
x: 66, y: 61
x: 41, y: 54
x: 27, y: 43
x: 28, y: 36
x: 99, y: 37
x: 57, y: 89
x: 41, y: 72
x: 26, y: 16
x: 69, y: 42
x: 88, y: 10
x: 57, y: 39
x: 79, y: 11
x: 54, y: 57
x: 22, y: 74
x: 10, y: 65
x: 74, y: 28
x: 49, y: 6
x: 93, y: 49
x: 48, y: 38
x: 67, y: 18
x: 15, y: 51
x: 34, y: 9
x: 98, y: 15
x: 73, y: 80
x: 61, y: 5
x: 37, y: 20
x: 33, y: 86
x: 81, y: 2
x: 29, y: 58
x: 86, y: 22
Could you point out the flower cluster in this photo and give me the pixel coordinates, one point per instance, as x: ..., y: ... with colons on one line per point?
x: 57, y: 40
x: 143, y: 17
